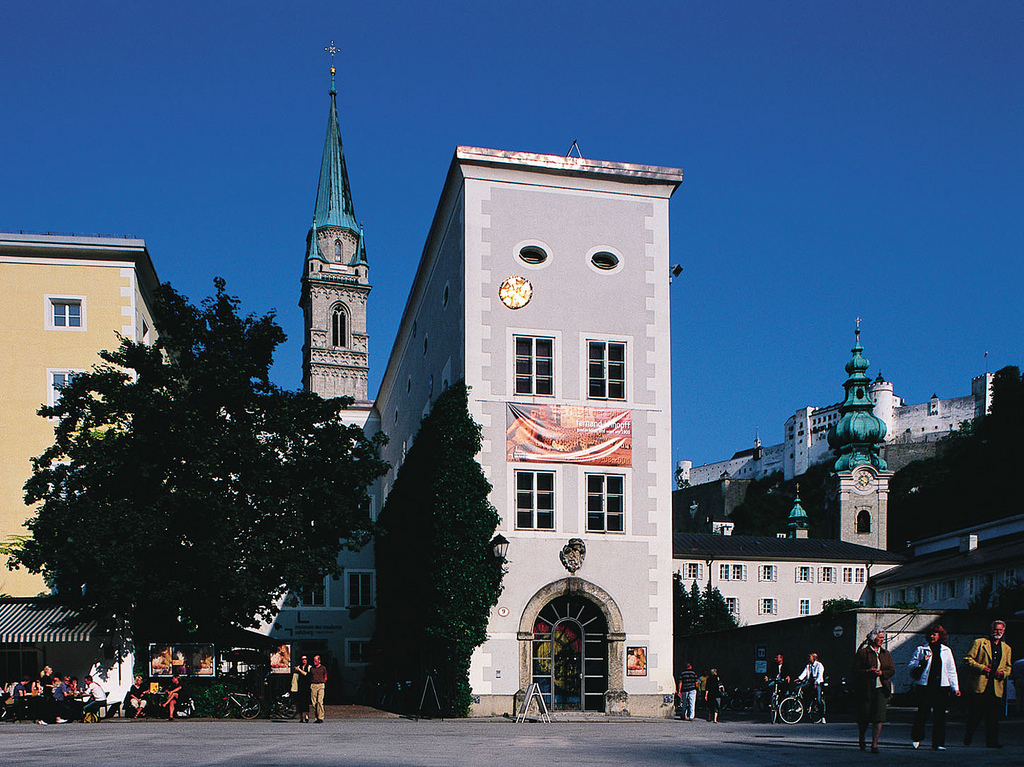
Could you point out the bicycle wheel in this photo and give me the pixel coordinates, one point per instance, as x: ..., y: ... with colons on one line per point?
x: 250, y: 708
x: 223, y: 709
x: 791, y: 710
x: 287, y: 709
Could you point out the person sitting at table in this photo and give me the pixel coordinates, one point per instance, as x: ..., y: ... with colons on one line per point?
x: 96, y: 696
x: 19, y: 698
x: 174, y: 693
x: 135, y: 700
x: 60, y: 692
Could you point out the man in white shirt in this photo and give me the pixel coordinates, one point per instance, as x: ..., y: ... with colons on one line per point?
x: 97, y: 696
x: 813, y: 674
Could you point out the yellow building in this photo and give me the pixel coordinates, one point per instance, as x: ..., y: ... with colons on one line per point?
x: 67, y: 297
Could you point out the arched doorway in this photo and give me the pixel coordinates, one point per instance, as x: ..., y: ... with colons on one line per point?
x: 570, y: 654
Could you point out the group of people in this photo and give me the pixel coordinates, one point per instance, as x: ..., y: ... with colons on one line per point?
x: 932, y: 669
x: 142, y: 701
x: 308, y: 684
x: 52, y: 698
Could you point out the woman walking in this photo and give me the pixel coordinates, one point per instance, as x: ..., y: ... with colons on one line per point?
x: 713, y: 695
x: 934, y: 673
x: 872, y: 670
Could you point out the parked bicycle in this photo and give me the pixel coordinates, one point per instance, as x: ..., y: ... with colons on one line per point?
x: 244, y: 704
x: 284, y: 707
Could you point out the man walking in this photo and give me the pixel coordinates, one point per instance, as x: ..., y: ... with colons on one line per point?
x: 317, y: 683
x: 688, y: 692
x: 989, y: 662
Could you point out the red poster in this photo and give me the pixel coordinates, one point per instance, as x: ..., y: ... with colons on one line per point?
x: 569, y: 434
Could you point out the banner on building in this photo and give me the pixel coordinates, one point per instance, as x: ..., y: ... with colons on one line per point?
x: 569, y: 434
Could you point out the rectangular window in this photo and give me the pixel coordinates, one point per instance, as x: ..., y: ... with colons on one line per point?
x: 607, y: 370
x: 767, y: 607
x: 358, y: 651
x: 65, y: 313
x: 693, y: 572
x: 733, y: 604
x: 739, y: 572
x: 847, y: 575
x: 606, y: 501
x: 360, y: 589
x: 535, y: 500
x: 768, y: 573
x: 315, y: 596
x: 804, y: 574
x: 535, y: 365
x: 57, y: 380
x: 805, y: 606
x: 826, y: 575
x: 723, y: 572
x: 859, y: 575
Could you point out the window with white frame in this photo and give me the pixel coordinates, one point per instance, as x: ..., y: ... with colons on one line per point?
x: 805, y: 606
x: 606, y: 503
x: 535, y: 500
x: 733, y: 605
x: 739, y: 573
x: 314, y: 596
x: 847, y: 575
x: 535, y: 365
x: 357, y: 651
x: 606, y: 370
x: 860, y: 575
x: 693, y: 571
x: 767, y: 606
x: 359, y: 588
x: 57, y: 380
x: 804, y: 574
x: 826, y: 575
x: 65, y: 313
x: 768, y: 573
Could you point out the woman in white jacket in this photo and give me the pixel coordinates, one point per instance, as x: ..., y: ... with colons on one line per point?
x: 934, y: 682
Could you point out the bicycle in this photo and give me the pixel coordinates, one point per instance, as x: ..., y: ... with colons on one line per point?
x: 245, y: 704
x: 792, y: 708
x: 284, y: 707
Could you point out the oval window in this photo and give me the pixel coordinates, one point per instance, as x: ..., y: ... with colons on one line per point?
x: 604, y: 260
x: 531, y: 254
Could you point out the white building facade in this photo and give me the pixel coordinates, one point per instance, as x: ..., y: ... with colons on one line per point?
x: 544, y: 285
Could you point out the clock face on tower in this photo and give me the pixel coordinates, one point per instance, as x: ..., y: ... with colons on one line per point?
x: 863, y: 480
x: 515, y: 292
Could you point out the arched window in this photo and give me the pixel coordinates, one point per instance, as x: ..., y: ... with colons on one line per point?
x: 337, y: 250
x: 864, y: 521
x: 339, y: 327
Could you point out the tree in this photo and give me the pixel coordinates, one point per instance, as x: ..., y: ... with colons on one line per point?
x: 436, y: 577
x: 183, y: 489
x: 698, y: 612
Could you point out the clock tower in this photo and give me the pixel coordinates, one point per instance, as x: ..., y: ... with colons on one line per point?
x: 335, y: 281
x: 858, y: 501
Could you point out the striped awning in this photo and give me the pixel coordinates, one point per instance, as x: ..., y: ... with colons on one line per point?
x: 31, y: 622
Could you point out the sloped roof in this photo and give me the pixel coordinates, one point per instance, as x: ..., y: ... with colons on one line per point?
x: 992, y: 553
x: 702, y: 546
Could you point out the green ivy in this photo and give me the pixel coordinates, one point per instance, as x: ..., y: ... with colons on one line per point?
x: 436, y: 577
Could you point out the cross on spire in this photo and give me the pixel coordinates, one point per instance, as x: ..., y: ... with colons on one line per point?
x: 331, y: 49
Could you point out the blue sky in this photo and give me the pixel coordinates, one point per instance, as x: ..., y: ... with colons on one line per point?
x: 841, y: 159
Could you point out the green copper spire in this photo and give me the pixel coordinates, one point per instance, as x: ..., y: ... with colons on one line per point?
x: 857, y: 434
x: 333, y: 196
x: 797, y: 516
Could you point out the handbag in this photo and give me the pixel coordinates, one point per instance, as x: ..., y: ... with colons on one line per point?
x: 295, y: 681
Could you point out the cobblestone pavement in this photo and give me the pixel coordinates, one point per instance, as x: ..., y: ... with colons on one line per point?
x: 389, y: 740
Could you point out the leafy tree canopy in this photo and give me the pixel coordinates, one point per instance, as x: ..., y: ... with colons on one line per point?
x: 436, y: 577
x: 697, y: 612
x: 765, y: 509
x: 973, y: 481
x: 185, y: 489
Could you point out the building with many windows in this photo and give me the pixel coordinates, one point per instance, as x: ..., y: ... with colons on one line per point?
x: 768, y: 579
x: 67, y: 297
x: 543, y: 285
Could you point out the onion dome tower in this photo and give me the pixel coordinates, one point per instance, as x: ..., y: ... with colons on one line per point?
x: 335, y: 281
x: 797, y: 518
x: 858, y: 501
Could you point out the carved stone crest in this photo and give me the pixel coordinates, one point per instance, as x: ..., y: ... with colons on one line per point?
x: 572, y: 555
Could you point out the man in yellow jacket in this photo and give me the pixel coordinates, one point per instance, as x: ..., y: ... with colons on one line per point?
x: 989, y: 662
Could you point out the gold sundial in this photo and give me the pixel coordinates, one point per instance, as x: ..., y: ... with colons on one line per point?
x: 515, y: 292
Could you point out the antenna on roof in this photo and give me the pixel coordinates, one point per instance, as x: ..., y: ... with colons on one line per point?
x: 577, y: 148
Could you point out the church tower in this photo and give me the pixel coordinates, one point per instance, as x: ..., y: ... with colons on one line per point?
x: 335, y: 281
x: 860, y: 485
